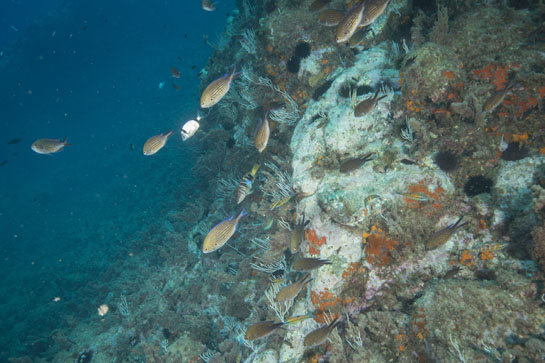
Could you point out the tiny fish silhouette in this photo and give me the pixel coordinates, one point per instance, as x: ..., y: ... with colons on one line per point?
x: 220, y: 234
x: 14, y: 141
x: 298, y: 234
x: 175, y: 72
x: 353, y: 164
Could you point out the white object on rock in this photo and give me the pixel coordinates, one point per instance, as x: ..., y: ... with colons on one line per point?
x: 189, y: 129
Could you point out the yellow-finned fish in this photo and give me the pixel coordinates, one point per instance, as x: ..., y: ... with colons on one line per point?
x: 262, y: 133
x: 245, y: 185
x: 298, y: 234
x: 49, y: 146
x: 220, y: 234
x: 367, y: 105
x: 280, y: 202
x: 217, y: 89
x: 349, y: 23
x: 493, y: 247
x: 262, y: 329
x: 330, y: 17
x: 320, y: 335
x: 373, y: 9
x: 299, y: 318
x: 370, y: 198
x: 291, y: 291
x: 156, y: 143
x: 442, y: 236
x: 208, y: 5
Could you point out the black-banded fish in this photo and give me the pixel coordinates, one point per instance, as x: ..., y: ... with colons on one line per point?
x: 156, y: 143
x: 49, y: 146
x: 215, y: 91
x: 220, y: 234
x: 245, y: 185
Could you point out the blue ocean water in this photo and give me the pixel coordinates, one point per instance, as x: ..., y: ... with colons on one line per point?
x: 89, y: 71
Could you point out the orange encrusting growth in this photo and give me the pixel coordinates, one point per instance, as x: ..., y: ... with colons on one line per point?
x: 495, y: 74
x: 466, y: 258
x: 314, y: 243
x: 421, y: 188
x: 378, y: 247
x: 323, y: 300
x: 350, y: 270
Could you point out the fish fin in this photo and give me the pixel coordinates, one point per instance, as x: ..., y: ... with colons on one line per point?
x: 334, y: 324
x: 233, y: 74
x: 455, y: 225
x: 306, y: 279
x: 254, y: 169
x: 65, y: 142
x: 381, y: 97
x: 169, y: 134
x: 240, y: 214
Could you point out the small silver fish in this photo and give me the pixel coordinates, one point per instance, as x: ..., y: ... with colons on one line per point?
x: 262, y: 132
x: 245, y: 185
x: 349, y: 23
x: 220, y: 234
x: 156, y: 143
x: 49, y: 146
x: 215, y: 91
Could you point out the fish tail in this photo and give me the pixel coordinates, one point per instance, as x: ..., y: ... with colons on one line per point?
x: 306, y: 279
x: 457, y: 225
x: 381, y: 97
x: 233, y: 74
x: 240, y: 214
x: 169, y: 134
x: 334, y: 323
x: 65, y: 142
x: 254, y: 169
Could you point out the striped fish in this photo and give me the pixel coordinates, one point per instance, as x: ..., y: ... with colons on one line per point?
x: 330, y: 17
x: 220, y: 234
x: 349, y: 23
x: 156, y: 143
x: 373, y: 10
x: 262, y: 132
x: 291, y: 291
x: 245, y: 185
x: 217, y: 89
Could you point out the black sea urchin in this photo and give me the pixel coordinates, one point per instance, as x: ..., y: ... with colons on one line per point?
x: 478, y: 184
x: 446, y: 160
x: 302, y: 50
